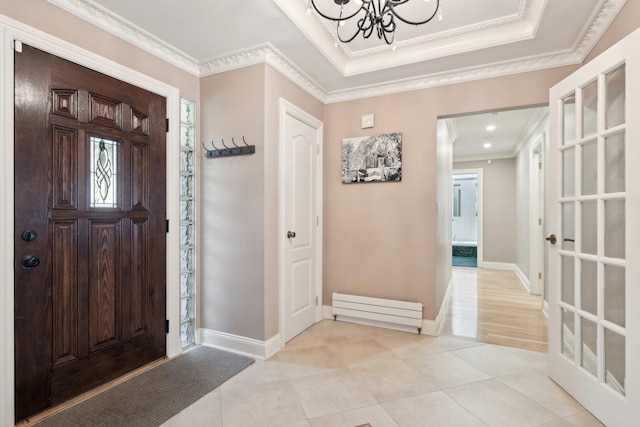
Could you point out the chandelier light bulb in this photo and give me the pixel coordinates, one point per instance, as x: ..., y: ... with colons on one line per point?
x: 308, y: 12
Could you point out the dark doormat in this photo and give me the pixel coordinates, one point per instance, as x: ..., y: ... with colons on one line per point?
x: 153, y: 397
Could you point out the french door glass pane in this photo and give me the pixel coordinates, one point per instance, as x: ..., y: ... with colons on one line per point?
x: 614, y: 361
x: 589, y: 227
x: 568, y: 228
x: 614, y: 164
x: 589, y: 332
x: 614, y: 228
x: 589, y: 288
x: 590, y: 109
x: 568, y: 333
x: 615, y: 98
x: 614, y: 294
x: 590, y: 168
x: 568, y: 280
x: 568, y: 173
x: 569, y: 118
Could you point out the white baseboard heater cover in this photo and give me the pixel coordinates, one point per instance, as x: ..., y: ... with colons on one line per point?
x: 378, y: 309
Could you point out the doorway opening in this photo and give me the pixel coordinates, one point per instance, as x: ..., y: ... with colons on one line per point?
x: 464, y: 225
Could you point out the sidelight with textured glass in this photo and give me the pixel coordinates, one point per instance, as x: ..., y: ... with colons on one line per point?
x: 187, y: 222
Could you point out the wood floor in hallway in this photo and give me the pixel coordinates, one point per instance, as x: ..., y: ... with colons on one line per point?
x: 492, y: 306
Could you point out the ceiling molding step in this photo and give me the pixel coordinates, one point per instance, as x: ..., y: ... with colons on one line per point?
x: 120, y: 27
x: 316, y: 31
x: 498, y: 69
x: 520, y: 16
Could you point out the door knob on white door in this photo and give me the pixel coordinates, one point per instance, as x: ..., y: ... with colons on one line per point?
x: 291, y: 234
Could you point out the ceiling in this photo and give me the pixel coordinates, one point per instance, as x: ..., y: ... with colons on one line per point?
x: 474, y: 40
x: 493, y: 135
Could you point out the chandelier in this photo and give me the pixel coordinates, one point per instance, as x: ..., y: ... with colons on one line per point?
x: 372, y: 15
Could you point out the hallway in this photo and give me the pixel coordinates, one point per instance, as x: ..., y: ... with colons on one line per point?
x: 492, y: 306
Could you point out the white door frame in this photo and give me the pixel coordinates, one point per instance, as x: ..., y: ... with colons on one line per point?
x: 478, y: 172
x: 536, y: 208
x: 12, y: 30
x: 289, y: 109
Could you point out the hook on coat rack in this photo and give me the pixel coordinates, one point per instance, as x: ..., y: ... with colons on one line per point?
x: 228, y: 151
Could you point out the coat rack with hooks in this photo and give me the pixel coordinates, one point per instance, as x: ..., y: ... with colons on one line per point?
x: 228, y: 151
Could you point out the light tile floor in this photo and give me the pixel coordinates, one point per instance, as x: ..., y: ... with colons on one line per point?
x: 339, y: 374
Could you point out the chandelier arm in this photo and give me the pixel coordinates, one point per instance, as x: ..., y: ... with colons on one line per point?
x: 338, y: 19
x: 391, y: 4
x: 348, y: 40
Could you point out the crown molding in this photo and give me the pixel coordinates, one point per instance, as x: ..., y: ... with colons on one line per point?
x: 267, y: 53
x: 596, y: 26
x: 498, y: 69
x: 264, y: 53
x: 118, y: 26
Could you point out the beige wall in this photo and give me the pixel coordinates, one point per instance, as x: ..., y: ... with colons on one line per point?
x: 499, y: 208
x: 380, y: 239
x: 239, y: 203
x: 231, y: 205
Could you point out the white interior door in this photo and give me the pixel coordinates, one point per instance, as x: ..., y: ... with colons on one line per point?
x: 302, y: 137
x: 594, y: 268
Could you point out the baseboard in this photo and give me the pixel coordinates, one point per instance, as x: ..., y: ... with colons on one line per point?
x: 444, y: 309
x: 545, y: 309
x: 510, y: 267
x: 523, y: 278
x: 242, y: 345
x: 327, y: 313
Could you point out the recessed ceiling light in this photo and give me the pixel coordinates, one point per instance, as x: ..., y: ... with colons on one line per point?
x: 487, y: 145
x: 491, y: 128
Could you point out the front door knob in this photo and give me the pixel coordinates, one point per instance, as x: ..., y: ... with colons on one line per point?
x: 30, y: 261
x: 552, y: 239
x: 291, y: 234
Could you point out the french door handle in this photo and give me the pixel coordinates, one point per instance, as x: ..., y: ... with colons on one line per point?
x: 552, y: 239
x: 566, y: 239
x: 291, y: 234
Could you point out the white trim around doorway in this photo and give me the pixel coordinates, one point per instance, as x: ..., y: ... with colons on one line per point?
x: 11, y: 30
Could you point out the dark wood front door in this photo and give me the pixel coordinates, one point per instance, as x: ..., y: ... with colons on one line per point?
x: 90, y: 189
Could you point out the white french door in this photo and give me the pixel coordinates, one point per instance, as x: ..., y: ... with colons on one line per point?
x: 594, y: 254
